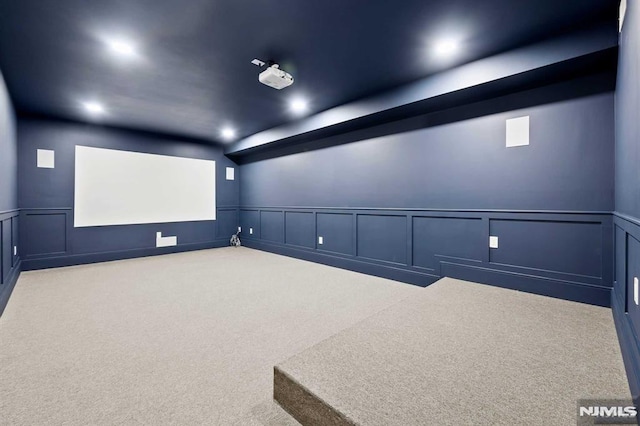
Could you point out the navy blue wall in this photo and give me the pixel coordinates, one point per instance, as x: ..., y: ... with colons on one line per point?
x: 464, y: 165
x: 46, y: 198
x: 627, y: 205
x: 9, y: 259
x: 419, y: 205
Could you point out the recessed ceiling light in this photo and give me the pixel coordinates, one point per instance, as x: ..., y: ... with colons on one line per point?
x: 298, y: 106
x: 446, y: 48
x: 228, y: 133
x: 122, y: 48
x: 93, y: 108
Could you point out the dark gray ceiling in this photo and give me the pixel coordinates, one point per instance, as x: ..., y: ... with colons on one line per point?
x: 193, y: 73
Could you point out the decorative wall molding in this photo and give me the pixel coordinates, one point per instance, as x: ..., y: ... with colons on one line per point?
x: 568, y: 256
x: 10, y: 262
x: 625, y: 313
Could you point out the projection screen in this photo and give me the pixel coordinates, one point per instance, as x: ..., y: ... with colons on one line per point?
x: 123, y: 188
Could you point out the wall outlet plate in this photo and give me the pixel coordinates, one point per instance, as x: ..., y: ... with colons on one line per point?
x: 250, y: 230
x: 239, y: 228
x: 493, y: 242
x: 320, y: 240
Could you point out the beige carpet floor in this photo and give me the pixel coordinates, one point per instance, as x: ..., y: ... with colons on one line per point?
x: 184, y: 339
x: 461, y: 353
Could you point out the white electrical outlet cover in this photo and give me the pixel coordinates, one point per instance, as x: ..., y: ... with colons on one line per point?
x: 320, y: 240
x: 239, y: 228
x: 635, y: 290
x: 251, y: 230
x: 493, y: 242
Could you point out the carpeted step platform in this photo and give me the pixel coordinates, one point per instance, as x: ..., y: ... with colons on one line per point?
x: 458, y: 353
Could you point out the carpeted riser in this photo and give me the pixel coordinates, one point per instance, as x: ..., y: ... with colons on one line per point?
x: 304, y: 406
x: 457, y: 353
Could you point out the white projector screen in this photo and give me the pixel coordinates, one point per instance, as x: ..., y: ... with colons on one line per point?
x: 124, y: 188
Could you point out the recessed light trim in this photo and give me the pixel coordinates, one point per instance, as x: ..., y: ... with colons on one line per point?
x: 94, y: 108
x: 122, y: 48
x: 298, y: 106
x: 228, y: 133
x: 445, y: 48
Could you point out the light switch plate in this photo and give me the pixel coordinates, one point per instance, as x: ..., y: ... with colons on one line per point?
x: 493, y: 242
x: 320, y: 240
x: 250, y: 230
x: 635, y: 290
x: 239, y: 228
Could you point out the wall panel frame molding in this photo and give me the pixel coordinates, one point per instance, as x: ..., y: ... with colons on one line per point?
x: 46, y: 232
x: 625, y: 313
x: 50, y: 240
x: 419, y: 246
x: 10, y: 262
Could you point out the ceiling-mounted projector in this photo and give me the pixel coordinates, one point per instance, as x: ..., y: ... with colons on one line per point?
x: 273, y: 76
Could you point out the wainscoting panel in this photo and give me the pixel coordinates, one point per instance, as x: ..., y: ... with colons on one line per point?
x: 45, y: 232
x: 6, y: 249
x: 14, y: 240
x: 626, y: 312
x: 250, y: 223
x: 633, y: 273
x: 382, y: 237
x: 10, y: 264
x: 337, y: 231
x: 573, y: 248
x: 436, y: 238
x: 560, y: 254
x: 272, y: 226
x: 300, y: 229
x: 620, y: 271
x: 228, y: 220
x: 48, y: 238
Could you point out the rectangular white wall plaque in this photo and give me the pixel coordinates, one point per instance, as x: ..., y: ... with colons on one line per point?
x: 123, y: 188
x: 46, y: 159
x: 230, y: 173
x: 518, y: 131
